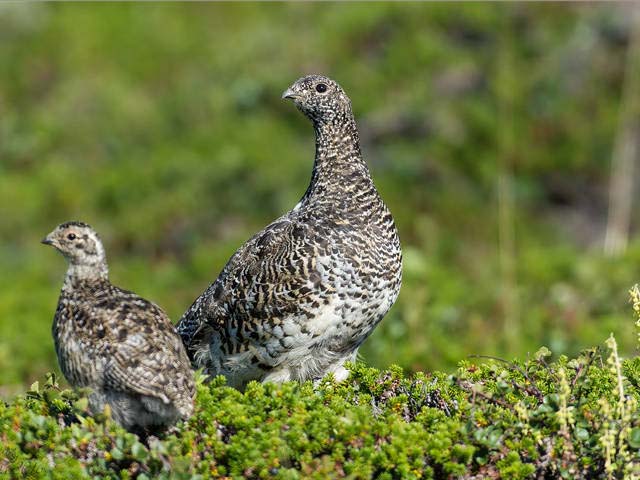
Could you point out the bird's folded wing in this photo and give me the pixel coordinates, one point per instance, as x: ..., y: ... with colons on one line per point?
x: 143, y: 352
x: 266, y: 278
x: 137, y: 371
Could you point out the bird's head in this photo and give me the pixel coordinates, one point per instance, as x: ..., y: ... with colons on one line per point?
x: 319, y: 98
x: 79, y: 243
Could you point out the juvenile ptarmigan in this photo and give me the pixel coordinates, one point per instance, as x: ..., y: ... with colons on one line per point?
x: 120, y: 345
x: 297, y: 300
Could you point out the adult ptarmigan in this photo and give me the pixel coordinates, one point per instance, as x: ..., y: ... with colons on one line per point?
x: 120, y: 345
x: 297, y: 300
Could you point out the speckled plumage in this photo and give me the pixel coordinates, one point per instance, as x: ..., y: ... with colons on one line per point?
x: 120, y: 345
x: 298, y: 299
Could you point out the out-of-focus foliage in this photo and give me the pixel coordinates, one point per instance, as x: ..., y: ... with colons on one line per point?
x: 162, y: 126
x: 567, y: 419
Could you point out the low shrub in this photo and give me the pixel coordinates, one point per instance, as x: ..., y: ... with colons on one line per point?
x: 570, y: 418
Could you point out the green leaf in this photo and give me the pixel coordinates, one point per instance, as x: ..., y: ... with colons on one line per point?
x: 634, y: 438
x: 542, y: 353
x: 117, y: 454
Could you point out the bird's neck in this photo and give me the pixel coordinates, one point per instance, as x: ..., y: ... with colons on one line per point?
x: 78, y: 274
x: 339, y: 167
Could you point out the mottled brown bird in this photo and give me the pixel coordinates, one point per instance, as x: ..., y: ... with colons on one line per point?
x: 298, y: 299
x: 120, y: 345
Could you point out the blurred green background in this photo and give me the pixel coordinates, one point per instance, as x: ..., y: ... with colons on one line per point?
x: 489, y: 129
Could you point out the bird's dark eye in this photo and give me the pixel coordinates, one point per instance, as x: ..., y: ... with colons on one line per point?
x: 321, y: 88
x: 71, y: 236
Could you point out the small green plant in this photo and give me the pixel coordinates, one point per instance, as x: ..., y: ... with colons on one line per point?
x: 635, y: 301
x: 617, y: 421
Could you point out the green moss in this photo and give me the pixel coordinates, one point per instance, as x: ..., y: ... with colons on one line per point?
x: 497, y: 419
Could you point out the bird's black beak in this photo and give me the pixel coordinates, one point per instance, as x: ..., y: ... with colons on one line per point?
x: 46, y: 241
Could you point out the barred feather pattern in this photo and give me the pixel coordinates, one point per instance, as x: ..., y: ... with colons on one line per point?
x: 297, y: 300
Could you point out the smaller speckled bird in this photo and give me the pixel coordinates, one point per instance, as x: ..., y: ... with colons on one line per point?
x: 120, y: 345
